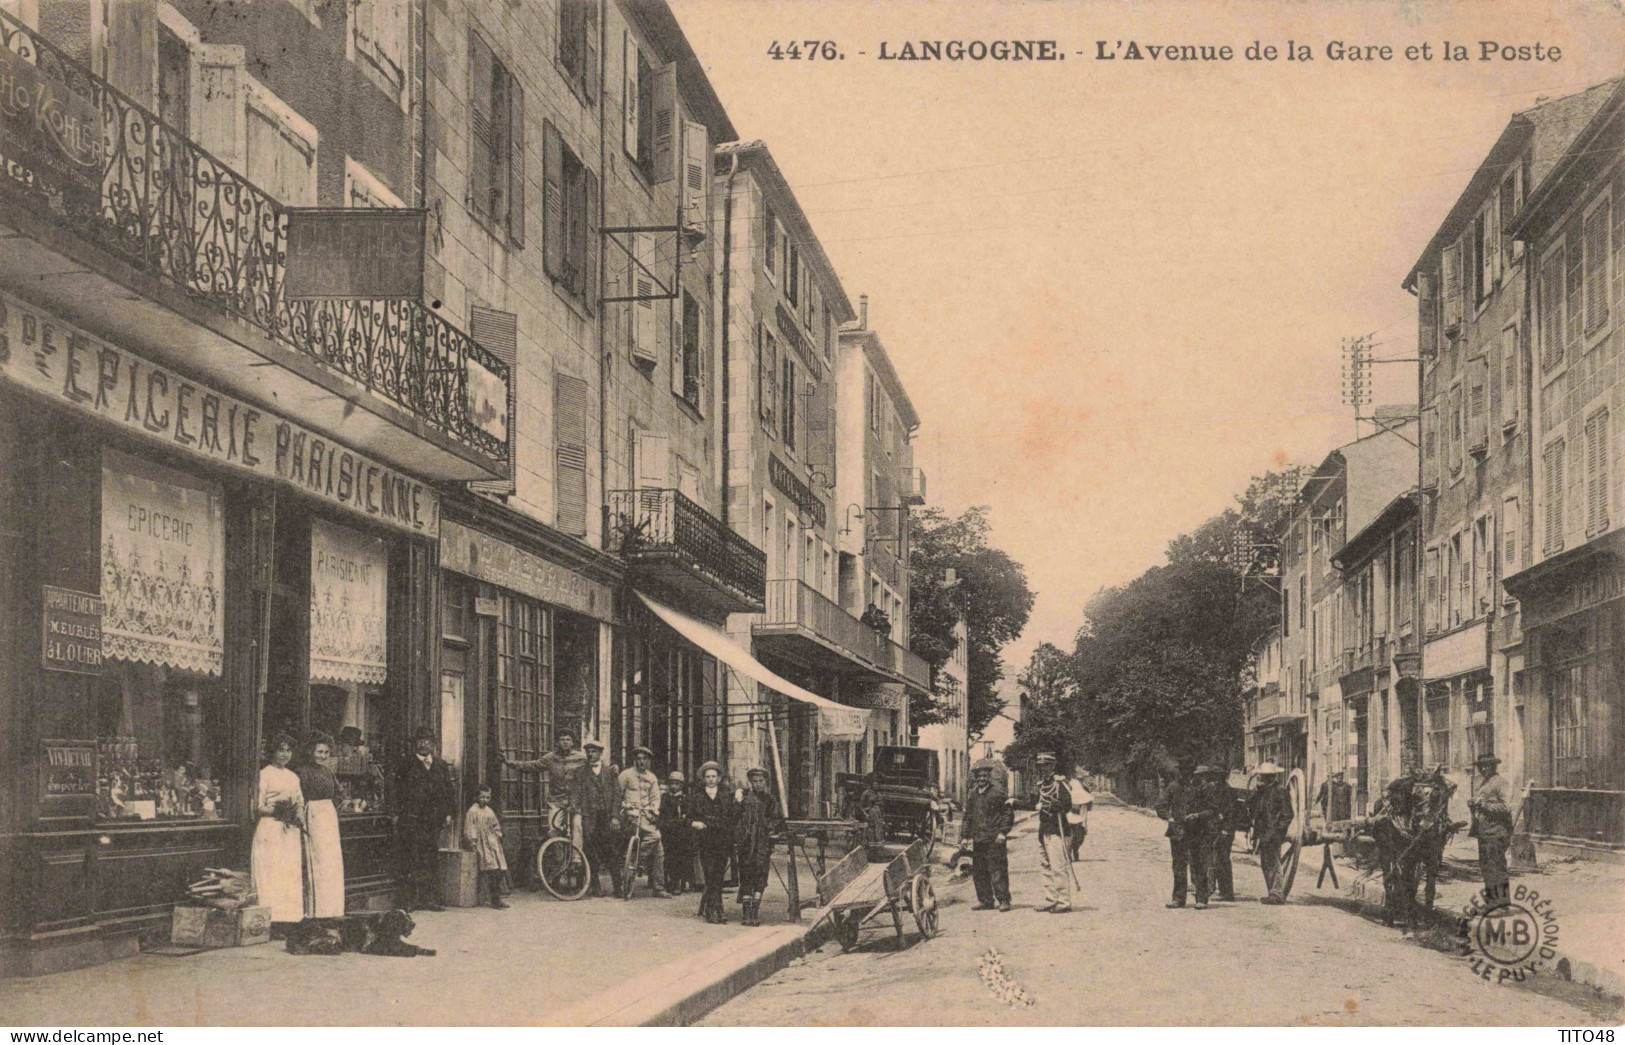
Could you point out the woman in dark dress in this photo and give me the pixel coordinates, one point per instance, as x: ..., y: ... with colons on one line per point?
x: 711, y: 812
x: 324, y: 858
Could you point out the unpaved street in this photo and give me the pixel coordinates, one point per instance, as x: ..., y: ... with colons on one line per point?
x: 1122, y: 958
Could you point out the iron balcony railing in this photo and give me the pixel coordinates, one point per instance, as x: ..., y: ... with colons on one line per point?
x: 796, y: 603
x: 658, y: 524
x: 145, y: 192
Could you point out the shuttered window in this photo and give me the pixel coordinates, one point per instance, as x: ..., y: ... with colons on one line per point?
x: 496, y: 104
x: 1511, y: 527
x: 1427, y: 315
x: 570, y: 411
x: 1478, y: 402
x: 1510, y: 369
x: 788, y: 432
x: 1451, y: 291
x: 792, y: 272
x: 569, y: 220
x: 1552, y: 487
x: 1574, y: 288
x: 1551, y: 310
x: 578, y: 47
x: 1430, y: 446
x: 1430, y: 590
x: 1596, y: 266
x: 686, y: 354
x: 770, y: 239
x: 767, y: 364
x: 1597, y: 473
x: 498, y: 333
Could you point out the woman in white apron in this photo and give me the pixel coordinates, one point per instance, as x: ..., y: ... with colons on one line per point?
x: 324, y: 859
x: 277, y: 853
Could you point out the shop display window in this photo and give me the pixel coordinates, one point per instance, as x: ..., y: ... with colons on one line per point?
x: 160, y: 744
x: 351, y: 713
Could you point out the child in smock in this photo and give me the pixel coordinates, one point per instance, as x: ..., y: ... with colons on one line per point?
x: 482, y: 832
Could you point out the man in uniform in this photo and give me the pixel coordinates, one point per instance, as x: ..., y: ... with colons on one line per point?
x: 985, y: 829
x: 1178, y: 803
x: 1272, y: 815
x: 639, y: 799
x: 1217, y: 797
x: 1491, y: 807
x: 425, y: 805
x: 1052, y: 800
x: 594, y: 795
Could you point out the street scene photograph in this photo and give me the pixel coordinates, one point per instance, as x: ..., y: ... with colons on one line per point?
x: 811, y: 514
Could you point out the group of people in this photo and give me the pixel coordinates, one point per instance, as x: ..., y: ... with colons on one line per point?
x: 689, y: 837
x: 1062, y: 804
x: 1204, y: 813
x: 297, y: 861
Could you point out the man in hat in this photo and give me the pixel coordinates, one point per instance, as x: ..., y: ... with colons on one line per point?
x: 639, y: 795
x: 1179, y: 805
x: 425, y: 804
x: 711, y: 813
x: 986, y: 828
x: 1491, y: 806
x: 595, y: 796
x: 1220, y: 803
x: 555, y: 767
x: 677, y: 835
x: 759, y: 822
x: 1272, y: 815
x: 1052, y: 800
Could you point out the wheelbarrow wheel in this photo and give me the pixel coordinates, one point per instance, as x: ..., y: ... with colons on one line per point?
x: 923, y: 902
x: 925, y: 829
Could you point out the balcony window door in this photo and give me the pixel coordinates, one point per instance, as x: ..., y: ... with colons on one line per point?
x: 281, y: 148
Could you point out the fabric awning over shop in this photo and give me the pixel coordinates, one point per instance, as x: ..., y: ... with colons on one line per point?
x: 835, y: 721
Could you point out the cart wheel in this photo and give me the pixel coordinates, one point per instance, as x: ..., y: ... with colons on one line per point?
x: 926, y: 830
x: 1289, y: 867
x: 563, y: 869
x: 846, y: 933
x: 924, y: 905
x: 629, y: 869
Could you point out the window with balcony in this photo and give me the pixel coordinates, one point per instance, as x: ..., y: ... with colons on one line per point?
x: 496, y: 174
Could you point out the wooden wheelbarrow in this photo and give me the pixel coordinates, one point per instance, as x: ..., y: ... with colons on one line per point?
x: 857, y: 895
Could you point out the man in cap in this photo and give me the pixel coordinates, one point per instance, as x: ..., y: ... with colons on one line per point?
x: 677, y: 835
x: 1272, y: 815
x: 425, y: 803
x: 759, y: 823
x: 1179, y: 805
x: 1218, y: 799
x: 986, y: 828
x: 1491, y: 807
x: 1053, y: 800
x: 555, y: 767
x: 639, y: 797
x: 595, y: 796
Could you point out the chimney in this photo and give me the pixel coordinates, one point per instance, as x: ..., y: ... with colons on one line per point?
x: 863, y: 312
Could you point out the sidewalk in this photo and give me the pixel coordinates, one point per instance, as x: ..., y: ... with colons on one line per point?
x: 532, y: 964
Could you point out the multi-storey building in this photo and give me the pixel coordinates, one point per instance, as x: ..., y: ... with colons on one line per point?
x: 1350, y: 488
x: 223, y: 466
x: 949, y: 738
x: 1567, y: 576
x: 877, y: 482
x: 1471, y: 286
x: 1266, y: 707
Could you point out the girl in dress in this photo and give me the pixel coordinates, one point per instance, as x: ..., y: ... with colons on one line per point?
x: 482, y: 833
x: 324, y: 859
x: 277, y: 852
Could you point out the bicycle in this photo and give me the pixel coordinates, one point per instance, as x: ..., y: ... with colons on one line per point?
x: 632, y: 865
x: 561, y: 864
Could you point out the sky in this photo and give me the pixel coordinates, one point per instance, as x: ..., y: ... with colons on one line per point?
x: 1116, y: 289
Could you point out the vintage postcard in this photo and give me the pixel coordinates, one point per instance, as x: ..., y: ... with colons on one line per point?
x: 811, y: 513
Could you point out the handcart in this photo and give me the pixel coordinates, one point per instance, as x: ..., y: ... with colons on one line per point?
x: 857, y: 894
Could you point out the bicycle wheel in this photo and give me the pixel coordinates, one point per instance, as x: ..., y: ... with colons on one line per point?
x: 629, y: 869
x: 563, y: 869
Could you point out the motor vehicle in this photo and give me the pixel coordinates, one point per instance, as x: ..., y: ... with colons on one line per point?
x: 910, y: 798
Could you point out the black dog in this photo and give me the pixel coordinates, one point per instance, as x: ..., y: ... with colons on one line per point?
x: 363, y: 933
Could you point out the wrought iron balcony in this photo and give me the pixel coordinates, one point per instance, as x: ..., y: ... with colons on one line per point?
x: 89, y: 160
x: 811, y: 627
x: 684, y: 547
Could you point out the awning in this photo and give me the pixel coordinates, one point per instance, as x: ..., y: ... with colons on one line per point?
x: 835, y: 721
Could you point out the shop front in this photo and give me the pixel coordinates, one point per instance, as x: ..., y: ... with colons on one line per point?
x: 186, y: 574
x: 525, y: 641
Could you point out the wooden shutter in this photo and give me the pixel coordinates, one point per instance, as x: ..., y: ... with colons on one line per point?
x: 1491, y: 269
x: 770, y: 237
x: 219, y: 105
x: 516, y: 162
x: 1430, y: 445
x: 791, y: 394
x: 1478, y: 402
x: 644, y: 340
x: 664, y: 159
x: 629, y: 95
x: 653, y: 453
x: 1509, y: 376
x: 1511, y: 538
x: 589, y: 39
x: 1619, y: 235
x: 553, y: 245
x: 498, y: 333
x: 1427, y: 315
x: 1552, y: 516
x: 1452, y: 289
x: 570, y: 453
x: 593, y: 278
x: 676, y: 353
x: 483, y: 131
x: 696, y: 173
x: 1551, y: 311
x: 1597, y: 473
x: 1596, y: 267
x: 1431, y: 590
x: 1509, y: 208
x: 1574, y: 288
x: 821, y: 430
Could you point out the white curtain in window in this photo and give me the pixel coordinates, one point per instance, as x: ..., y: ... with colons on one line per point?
x: 349, y: 574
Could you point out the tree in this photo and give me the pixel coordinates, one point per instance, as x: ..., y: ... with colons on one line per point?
x: 990, y: 595
x: 1049, y: 710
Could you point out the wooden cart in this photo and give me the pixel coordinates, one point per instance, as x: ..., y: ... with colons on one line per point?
x: 857, y: 895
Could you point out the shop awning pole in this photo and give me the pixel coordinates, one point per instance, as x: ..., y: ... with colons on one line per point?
x: 791, y: 887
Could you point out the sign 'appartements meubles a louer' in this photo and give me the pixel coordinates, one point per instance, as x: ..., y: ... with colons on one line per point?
x: 354, y: 253
x: 61, y: 363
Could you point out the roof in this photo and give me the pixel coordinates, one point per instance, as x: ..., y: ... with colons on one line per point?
x: 1365, y: 541
x: 888, y: 374
x: 755, y: 157
x: 1547, y: 129
x: 1581, y: 144
x: 656, y: 19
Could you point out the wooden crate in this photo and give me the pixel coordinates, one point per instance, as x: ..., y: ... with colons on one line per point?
x: 212, y: 927
x: 459, y: 878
